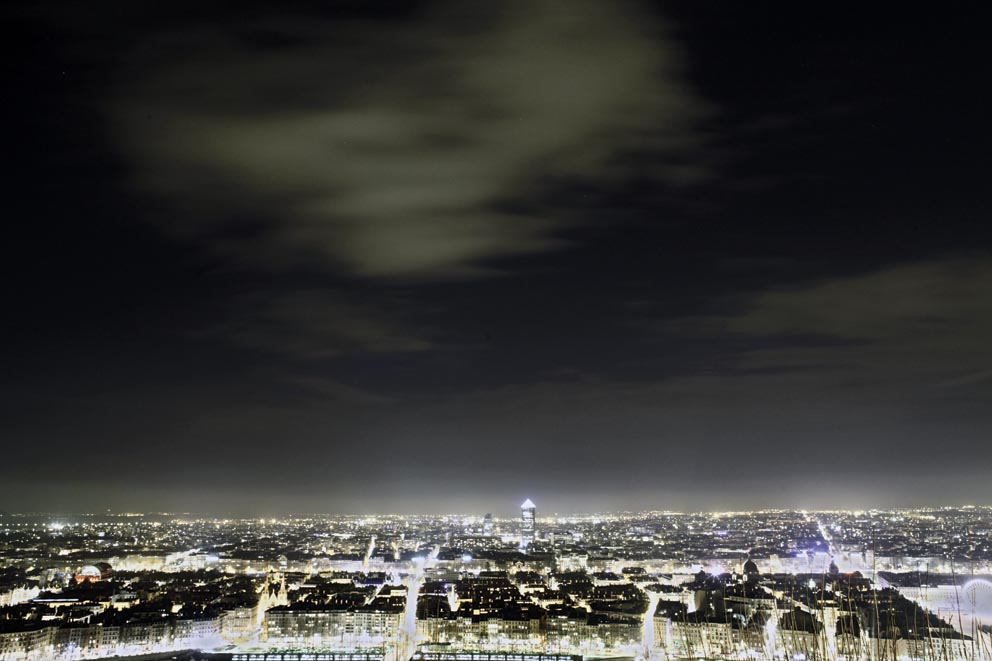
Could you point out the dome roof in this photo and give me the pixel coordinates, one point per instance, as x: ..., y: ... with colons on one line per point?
x: 95, y: 572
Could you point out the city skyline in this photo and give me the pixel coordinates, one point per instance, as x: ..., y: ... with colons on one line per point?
x: 508, y: 514
x: 831, y: 586
x: 357, y: 257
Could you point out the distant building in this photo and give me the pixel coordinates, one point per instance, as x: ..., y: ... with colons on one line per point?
x: 94, y: 573
x: 307, y: 626
x: 487, y: 525
x: 528, y: 513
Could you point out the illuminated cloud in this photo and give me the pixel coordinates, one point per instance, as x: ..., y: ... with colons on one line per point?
x: 398, y: 151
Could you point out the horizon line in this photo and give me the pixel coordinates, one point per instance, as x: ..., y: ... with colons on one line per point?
x: 244, y: 516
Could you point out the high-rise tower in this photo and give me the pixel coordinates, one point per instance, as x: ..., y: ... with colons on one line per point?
x: 487, y: 525
x: 528, y: 512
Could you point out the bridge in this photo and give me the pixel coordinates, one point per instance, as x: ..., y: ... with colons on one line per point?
x: 417, y: 656
x: 306, y: 656
x: 491, y: 656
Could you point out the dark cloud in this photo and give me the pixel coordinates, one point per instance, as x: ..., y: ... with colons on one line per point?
x: 918, y: 324
x: 314, y: 324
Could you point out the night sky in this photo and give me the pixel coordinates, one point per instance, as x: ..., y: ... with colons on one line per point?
x: 442, y: 256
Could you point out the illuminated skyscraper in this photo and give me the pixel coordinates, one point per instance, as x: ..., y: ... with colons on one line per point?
x: 487, y: 525
x: 528, y: 512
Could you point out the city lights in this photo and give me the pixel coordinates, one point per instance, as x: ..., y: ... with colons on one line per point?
x: 779, y: 585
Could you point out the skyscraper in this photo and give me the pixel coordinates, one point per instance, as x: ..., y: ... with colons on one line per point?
x: 487, y: 525
x: 528, y: 512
